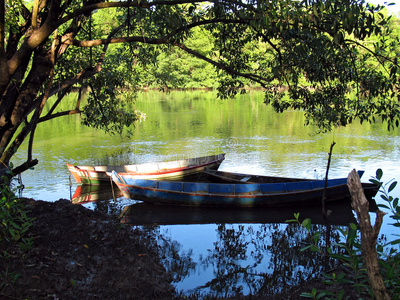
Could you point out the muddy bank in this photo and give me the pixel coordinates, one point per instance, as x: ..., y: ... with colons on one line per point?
x: 81, y: 254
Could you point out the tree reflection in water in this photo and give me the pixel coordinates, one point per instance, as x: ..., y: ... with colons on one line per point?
x: 237, y: 256
x: 234, y: 252
x: 257, y: 259
x: 177, y: 261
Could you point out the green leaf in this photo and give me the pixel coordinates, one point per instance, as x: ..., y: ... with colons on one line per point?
x: 307, y: 295
x: 379, y: 174
x: 383, y: 206
x: 384, y: 197
x: 305, y: 248
x: 395, y: 202
x: 392, y: 186
x: 353, y: 226
x: 314, y: 248
x: 306, y: 223
x: 376, y: 182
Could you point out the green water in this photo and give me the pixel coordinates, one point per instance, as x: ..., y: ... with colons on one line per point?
x: 186, y: 124
x: 255, y: 139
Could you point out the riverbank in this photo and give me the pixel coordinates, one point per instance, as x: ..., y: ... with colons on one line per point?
x: 83, y: 254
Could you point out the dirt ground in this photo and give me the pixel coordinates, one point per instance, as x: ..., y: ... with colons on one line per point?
x: 82, y: 254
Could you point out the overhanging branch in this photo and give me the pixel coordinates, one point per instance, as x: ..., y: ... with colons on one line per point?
x: 128, y: 39
x: 259, y: 79
x: 59, y: 114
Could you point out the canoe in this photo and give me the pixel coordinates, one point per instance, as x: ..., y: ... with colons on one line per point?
x: 234, y: 194
x: 370, y: 190
x: 171, y: 170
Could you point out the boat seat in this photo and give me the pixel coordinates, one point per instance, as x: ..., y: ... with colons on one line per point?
x: 245, y: 179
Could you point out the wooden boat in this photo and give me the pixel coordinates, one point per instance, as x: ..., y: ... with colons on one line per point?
x: 370, y: 190
x: 234, y: 194
x: 171, y: 170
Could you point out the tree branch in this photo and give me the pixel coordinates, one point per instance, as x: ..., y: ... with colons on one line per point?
x: 35, y: 10
x: 128, y: 39
x: 261, y: 80
x: 23, y: 167
x: 59, y: 114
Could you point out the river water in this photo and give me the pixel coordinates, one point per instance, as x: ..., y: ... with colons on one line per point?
x: 217, y: 256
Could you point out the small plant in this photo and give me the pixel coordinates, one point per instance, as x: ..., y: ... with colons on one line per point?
x: 13, y: 216
x: 349, y: 255
x: 7, y: 278
x: 14, y: 219
x: 14, y: 226
x: 390, y: 256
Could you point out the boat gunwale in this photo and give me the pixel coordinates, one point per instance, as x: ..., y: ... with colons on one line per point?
x: 231, y: 195
x: 217, y: 158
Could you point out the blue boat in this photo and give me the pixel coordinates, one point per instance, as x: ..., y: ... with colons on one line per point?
x: 235, y: 194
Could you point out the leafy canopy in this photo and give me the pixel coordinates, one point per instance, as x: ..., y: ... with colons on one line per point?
x: 335, y: 60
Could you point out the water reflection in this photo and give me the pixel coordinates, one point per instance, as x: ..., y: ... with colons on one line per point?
x: 148, y: 214
x: 94, y: 193
x: 228, y: 252
x: 257, y: 259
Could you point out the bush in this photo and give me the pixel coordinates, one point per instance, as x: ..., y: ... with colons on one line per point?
x: 348, y: 255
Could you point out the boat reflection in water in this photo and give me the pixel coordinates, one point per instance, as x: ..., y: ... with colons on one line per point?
x: 147, y: 214
x: 94, y: 193
x: 227, y: 252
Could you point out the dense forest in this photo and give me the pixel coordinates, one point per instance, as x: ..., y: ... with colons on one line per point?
x: 177, y: 69
x: 172, y: 68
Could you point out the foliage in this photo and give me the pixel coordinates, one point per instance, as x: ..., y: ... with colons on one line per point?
x: 331, y: 58
x: 15, y: 222
x: 14, y: 227
x: 349, y: 255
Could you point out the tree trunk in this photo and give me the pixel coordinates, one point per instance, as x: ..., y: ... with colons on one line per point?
x: 369, y: 234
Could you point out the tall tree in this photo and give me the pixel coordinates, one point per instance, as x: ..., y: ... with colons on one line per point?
x: 317, y: 48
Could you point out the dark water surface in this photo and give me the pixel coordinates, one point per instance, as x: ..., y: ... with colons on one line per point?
x: 223, y: 252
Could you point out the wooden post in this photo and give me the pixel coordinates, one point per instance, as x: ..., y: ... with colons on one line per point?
x: 369, y: 234
x: 326, y: 181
